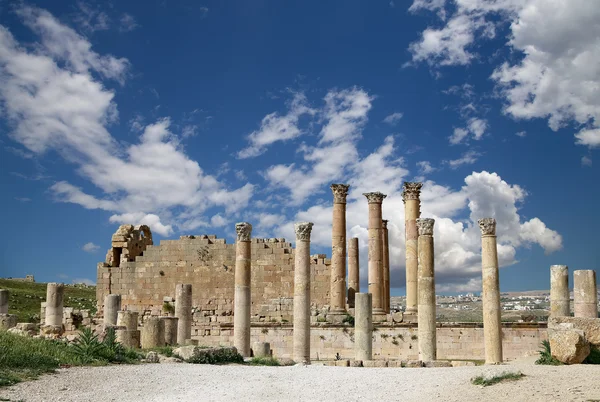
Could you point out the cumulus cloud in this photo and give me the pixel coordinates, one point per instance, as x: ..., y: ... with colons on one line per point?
x: 468, y: 158
x: 90, y: 247
x: 425, y: 167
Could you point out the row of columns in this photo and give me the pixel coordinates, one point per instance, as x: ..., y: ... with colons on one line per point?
x: 585, y: 293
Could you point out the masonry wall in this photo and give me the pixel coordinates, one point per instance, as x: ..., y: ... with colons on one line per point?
x: 208, y: 263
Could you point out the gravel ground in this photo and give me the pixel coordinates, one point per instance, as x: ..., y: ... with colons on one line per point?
x: 187, y: 382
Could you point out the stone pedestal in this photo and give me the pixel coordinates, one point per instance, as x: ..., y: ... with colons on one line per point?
x: 242, y: 298
x: 153, y: 333
x: 3, y: 301
x: 363, y: 327
x: 8, y: 321
x: 112, y: 305
x: 560, y: 303
x: 338, y: 250
x: 170, y: 324
x: 183, y: 311
x: 128, y: 319
x: 261, y: 349
x: 492, y: 329
x: 54, y: 304
x: 127, y: 338
x: 375, y: 251
x: 301, y: 335
x: 426, y: 284
x: 585, y: 295
x: 353, y: 271
x: 386, y: 265
x: 412, y: 211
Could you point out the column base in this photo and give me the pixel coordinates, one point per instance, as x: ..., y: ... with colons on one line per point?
x: 337, y: 312
x: 378, y: 311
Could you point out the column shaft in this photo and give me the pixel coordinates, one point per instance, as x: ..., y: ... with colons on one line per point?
x: 338, y: 258
x: 426, y: 283
x: 353, y: 271
x: 585, y: 295
x: 242, y: 298
x: 412, y: 211
x: 54, y: 303
x: 375, y: 251
x: 153, y: 333
x: 301, y: 334
x: 363, y: 323
x: 112, y: 305
x: 386, y: 266
x: 560, y: 303
x: 183, y: 311
x: 170, y: 324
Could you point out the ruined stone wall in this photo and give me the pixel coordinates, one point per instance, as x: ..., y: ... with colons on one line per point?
x: 208, y: 263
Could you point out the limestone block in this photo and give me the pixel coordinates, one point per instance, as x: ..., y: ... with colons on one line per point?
x: 414, y: 364
x: 589, y: 326
x: 438, y: 363
x: 128, y: 338
x: 398, y: 316
x: 461, y: 363
x: 8, y: 321
x: 196, y: 352
x: 375, y: 363
x: 51, y: 331
x: 261, y: 349
x: 569, y: 346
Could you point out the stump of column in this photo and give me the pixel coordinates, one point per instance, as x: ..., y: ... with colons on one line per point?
x: 183, y: 311
x: 3, y: 301
x: 492, y: 329
x: 585, y: 294
x: 54, y: 304
x: 128, y: 338
x: 301, y: 333
x: 353, y: 271
x: 386, y: 265
x: 170, y: 324
x: 426, y: 284
x: 242, y: 296
x: 112, y: 305
x: 153, y: 333
x: 261, y: 349
x: 363, y: 327
x: 338, y: 250
x: 560, y: 303
x: 375, y: 251
x: 412, y: 211
x: 128, y: 319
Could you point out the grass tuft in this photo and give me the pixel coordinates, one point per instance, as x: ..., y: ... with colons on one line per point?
x: 546, y: 356
x: 506, y: 376
x: 264, y: 361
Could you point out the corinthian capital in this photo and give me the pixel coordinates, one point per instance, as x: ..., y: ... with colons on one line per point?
x: 244, y: 231
x: 425, y: 226
x: 412, y: 190
x: 303, y: 230
x: 340, y: 191
x: 487, y: 226
x: 375, y: 198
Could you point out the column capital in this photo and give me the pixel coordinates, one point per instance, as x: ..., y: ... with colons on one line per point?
x: 384, y: 223
x: 375, y: 197
x: 425, y: 226
x: 244, y: 231
x: 487, y: 226
x: 411, y: 191
x: 303, y: 230
x: 340, y: 191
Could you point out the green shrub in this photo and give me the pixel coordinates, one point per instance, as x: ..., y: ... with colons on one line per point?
x: 486, y: 381
x: 264, y: 361
x: 348, y: 319
x: 546, y: 357
x: 217, y: 356
x: 593, y: 357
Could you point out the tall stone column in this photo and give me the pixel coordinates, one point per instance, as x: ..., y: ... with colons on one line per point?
x: 375, y: 251
x: 242, y: 301
x: 585, y: 294
x: 386, y: 265
x: 412, y: 211
x: 426, y: 283
x: 3, y: 301
x: 492, y: 328
x: 363, y: 323
x: 338, y: 249
x: 560, y: 300
x: 353, y: 271
x: 54, y: 303
x: 301, y: 346
x: 112, y: 305
x: 183, y: 311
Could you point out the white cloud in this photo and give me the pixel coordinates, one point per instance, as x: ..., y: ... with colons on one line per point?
x: 127, y: 23
x: 589, y: 138
x: 393, y: 118
x: 468, y: 158
x: 85, y: 281
x: 586, y: 161
x: 521, y: 134
x: 218, y: 221
x: 139, y: 218
x: 475, y: 126
x: 458, y: 135
x: 90, y: 18
x: 90, y: 247
x: 425, y: 167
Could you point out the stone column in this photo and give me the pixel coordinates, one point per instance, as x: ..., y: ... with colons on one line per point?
x: 183, y: 311
x: 353, y: 271
x: 112, y: 305
x: 301, y: 348
x: 153, y: 333
x: 426, y: 284
x: 130, y: 336
x: 386, y: 265
x: 375, y: 251
x: 170, y: 324
x: 3, y: 301
x: 54, y: 303
x: 242, y: 301
x: 363, y: 324
x: 492, y: 328
x: 560, y: 300
x: 128, y: 319
x: 585, y: 294
x: 338, y: 250
x: 412, y: 211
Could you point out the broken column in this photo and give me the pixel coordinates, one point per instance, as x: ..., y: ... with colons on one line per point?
x: 363, y: 324
x: 242, y: 301
x: 112, y: 305
x: 54, y: 304
x: 386, y: 265
x: 130, y: 336
x: 375, y: 251
x: 585, y: 294
x: 153, y: 333
x: 353, y: 271
x: 492, y: 329
x: 560, y: 303
x: 170, y: 324
x: 412, y: 211
x: 3, y: 301
x: 338, y: 250
x: 301, y: 348
x: 426, y: 285
x: 183, y: 311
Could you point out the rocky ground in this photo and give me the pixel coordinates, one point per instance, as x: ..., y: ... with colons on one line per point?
x: 187, y: 382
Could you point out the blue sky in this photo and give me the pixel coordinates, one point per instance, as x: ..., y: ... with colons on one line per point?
x: 190, y: 116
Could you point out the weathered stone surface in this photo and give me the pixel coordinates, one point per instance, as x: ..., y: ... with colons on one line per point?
x: 8, y: 321
x: 461, y: 363
x: 398, y: 317
x: 51, y: 331
x: 414, y: 363
x: 589, y: 326
x: 152, y: 357
x: 375, y: 363
x: 438, y: 363
x: 261, y: 349
x: 569, y: 346
x: 196, y: 352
